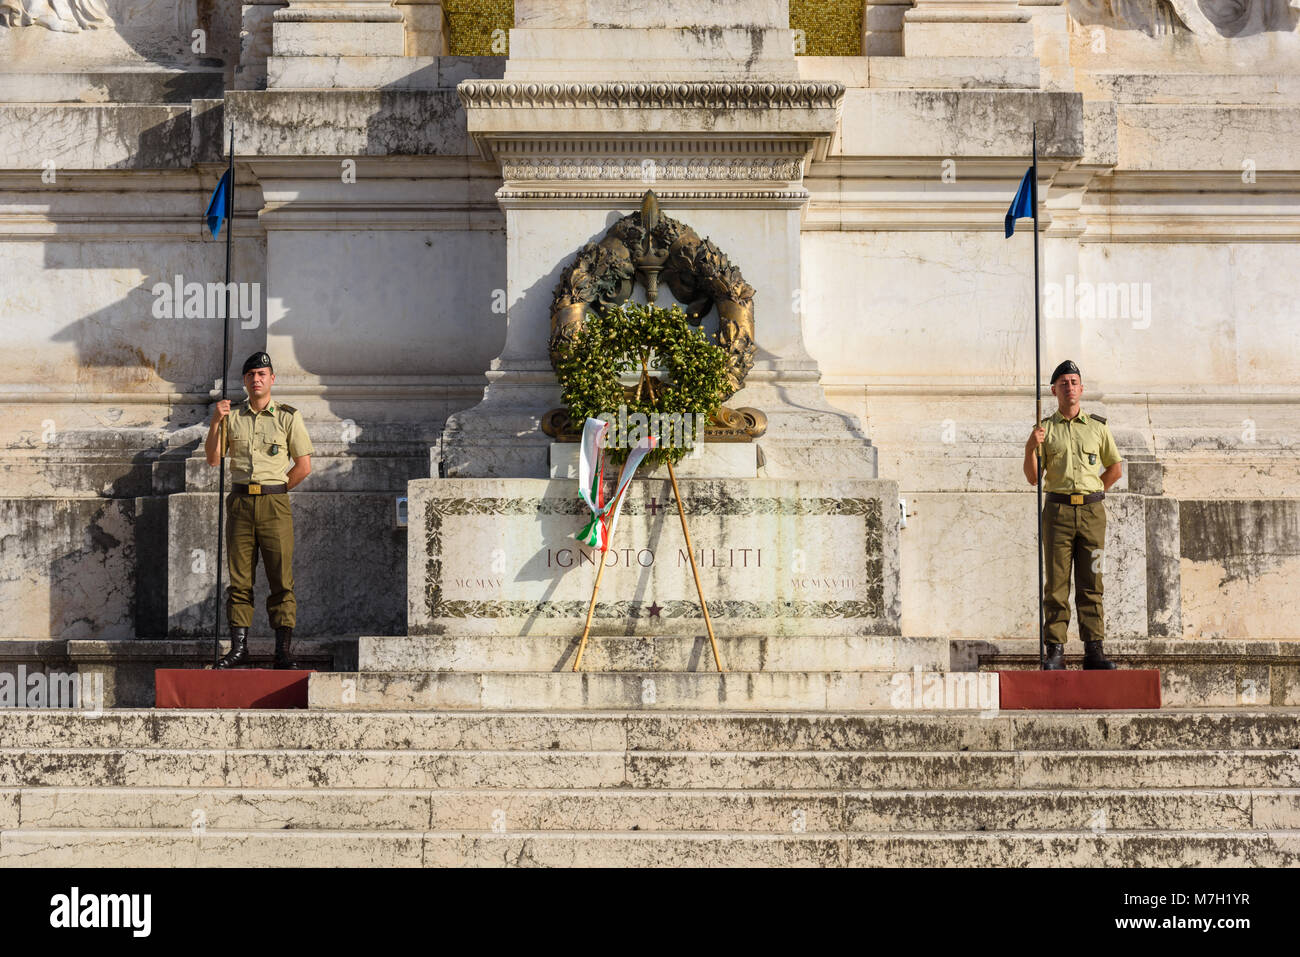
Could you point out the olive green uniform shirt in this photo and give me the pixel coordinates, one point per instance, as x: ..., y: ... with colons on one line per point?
x: 261, y: 444
x: 1075, y: 451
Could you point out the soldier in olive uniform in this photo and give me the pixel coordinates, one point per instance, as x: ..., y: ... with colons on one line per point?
x: 261, y: 437
x: 1075, y: 445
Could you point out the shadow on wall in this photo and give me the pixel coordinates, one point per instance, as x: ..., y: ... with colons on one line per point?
x: 349, y: 567
x: 137, y: 343
x: 193, y: 35
x: 87, y: 588
x: 438, y: 291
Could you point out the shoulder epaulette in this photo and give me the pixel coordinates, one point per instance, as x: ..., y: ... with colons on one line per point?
x: 291, y: 410
x: 1099, y: 418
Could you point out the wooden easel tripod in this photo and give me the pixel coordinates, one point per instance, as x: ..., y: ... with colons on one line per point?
x: 690, y: 551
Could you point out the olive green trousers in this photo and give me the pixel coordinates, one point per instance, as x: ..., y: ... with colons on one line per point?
x: 1074, y: 536
x: 260, y: 524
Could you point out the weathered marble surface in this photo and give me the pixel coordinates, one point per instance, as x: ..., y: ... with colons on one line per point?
x: 131, y: 34
x: 68, y: 567
x: 1167, y: 161
x: 545, y: 653
x: 491, y: 556
x: 1193, y: 673
x: 349, y: 565
x: 972, y: 557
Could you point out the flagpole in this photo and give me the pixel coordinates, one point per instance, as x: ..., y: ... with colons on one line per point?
x: 225, y: 365
x: 1038, y: 401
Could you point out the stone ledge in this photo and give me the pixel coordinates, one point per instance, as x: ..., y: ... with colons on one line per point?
x: 109, y: 86
x: 662, y: 653
x: 419, y: 848
x: 622, y: 731
x: 954, y: 72
x: 128, y: 664
x: 1146, y: 649
x: 275, y: 123
x: 118, y: 136
x: 388, y: 72
x: 1193, y: 673
x: 814, y: 691
x: 603, y: 810
x: 1199, y: 138
x: 961, y: 123
x: 806, y: 112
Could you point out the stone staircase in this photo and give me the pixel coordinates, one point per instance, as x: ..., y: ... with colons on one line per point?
x: 649, y: 788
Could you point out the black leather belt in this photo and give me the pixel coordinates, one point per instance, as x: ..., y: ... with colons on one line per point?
x: 253, y: 488
x: 1075, y: 499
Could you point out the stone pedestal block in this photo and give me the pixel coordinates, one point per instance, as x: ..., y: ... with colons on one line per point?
x: 726, y: 159
x: 677, y: 39
x: 347, y: 565
x: 320, y: 33
x: 987, y: 28
x: 968, y: 39
x: 339, y: 39
x: 804, y: 558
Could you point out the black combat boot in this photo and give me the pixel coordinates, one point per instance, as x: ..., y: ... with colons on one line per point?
x: 283, y: 655
x: 238, y: 653
x: 1094, y: 659
x: 1054, y: 659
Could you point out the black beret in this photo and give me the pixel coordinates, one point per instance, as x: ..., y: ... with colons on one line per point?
x: 1065, y: 368
x: 258, y: 360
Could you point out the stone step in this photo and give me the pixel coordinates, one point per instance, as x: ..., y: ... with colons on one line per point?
x: 136, y: 84
x: 762, y: 811
x: 791, y: 770
x: 705, y: 689
x: 145, y: 848
x: 488, y: 653
x: 990, y: 849
x: 658, y: 731
x: 1194, y: 673
x: 566, y: 690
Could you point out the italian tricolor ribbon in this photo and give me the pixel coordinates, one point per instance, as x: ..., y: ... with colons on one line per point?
x: 599, y: 531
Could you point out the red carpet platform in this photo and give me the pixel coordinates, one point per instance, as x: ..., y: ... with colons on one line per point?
x: 237, y: 688
x: 1082, y: 690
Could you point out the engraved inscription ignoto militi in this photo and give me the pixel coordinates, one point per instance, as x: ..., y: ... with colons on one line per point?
x: 870, y: 604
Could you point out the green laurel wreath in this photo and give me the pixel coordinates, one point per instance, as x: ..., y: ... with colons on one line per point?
x: 621, y: 341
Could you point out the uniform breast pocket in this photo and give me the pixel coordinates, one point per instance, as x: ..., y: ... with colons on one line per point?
x: 1091, y: 453
x: 238, y: 446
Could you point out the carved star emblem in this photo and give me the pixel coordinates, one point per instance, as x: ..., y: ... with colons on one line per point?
x: 654, y: 609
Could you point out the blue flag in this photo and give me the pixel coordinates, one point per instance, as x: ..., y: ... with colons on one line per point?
x: 1023, y: 204
x: 219, y: 206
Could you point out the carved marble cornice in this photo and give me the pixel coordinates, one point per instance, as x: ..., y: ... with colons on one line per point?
x: 514, y: 198
x: 696, y: 132
x: 626, y: 168
x: 502, y: 94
